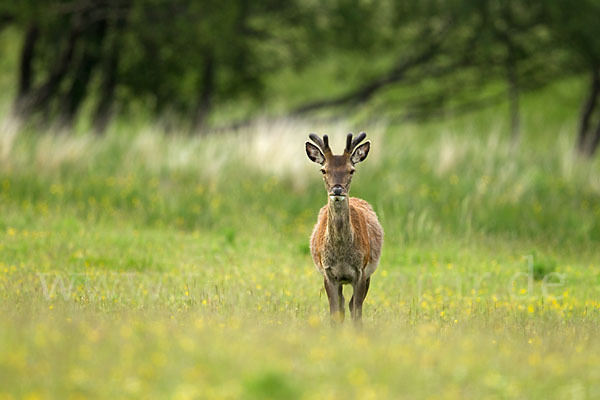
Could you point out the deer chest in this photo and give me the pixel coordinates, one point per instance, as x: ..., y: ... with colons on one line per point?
x: 342, y: 261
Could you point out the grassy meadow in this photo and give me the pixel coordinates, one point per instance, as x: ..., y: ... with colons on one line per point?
x: 145, y: 265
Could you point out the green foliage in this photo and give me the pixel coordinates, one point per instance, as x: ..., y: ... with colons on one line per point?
x: 188, y: 257
x: 410, y: 59
x: 144, y: 265
x: 271, y: 385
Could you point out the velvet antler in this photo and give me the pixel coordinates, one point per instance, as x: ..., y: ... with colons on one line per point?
x: 351, y: 144
x: 322, y: 143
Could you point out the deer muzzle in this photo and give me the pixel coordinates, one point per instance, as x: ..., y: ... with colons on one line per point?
x: 337, y: 193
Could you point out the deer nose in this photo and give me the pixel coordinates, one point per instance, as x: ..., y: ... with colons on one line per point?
x: 337, y: 191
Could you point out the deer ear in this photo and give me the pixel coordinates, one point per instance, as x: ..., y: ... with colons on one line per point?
x: 314, y: 154
x: 360, y: 153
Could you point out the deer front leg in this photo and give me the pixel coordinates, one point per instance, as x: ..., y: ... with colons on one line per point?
x: 361, y: 287
x: 351, y: 304
x: 341, y: 302
x: 333, y: 294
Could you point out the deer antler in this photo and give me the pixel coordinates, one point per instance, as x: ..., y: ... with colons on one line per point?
x: 322, y: 143
x: 351, y: 144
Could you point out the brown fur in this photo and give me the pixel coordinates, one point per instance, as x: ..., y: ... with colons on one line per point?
x: 366, y: 232
x: 347, y: 239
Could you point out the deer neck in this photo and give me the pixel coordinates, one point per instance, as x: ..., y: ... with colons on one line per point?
x: 338, y: 220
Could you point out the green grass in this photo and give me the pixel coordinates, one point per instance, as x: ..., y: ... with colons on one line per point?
x: 140, y: 265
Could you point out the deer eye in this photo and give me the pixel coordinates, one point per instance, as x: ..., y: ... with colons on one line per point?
x: 352, y: 172
x: 323, y: 172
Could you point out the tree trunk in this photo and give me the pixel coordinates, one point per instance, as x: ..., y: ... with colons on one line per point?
x: 110, y: 72
x: 594, y: 140
x: 103, y: 112
x: 83, y: 73
x: 26, y: 61
x: 587, y: 141
x: 206, y: 92
x: 38, y: 98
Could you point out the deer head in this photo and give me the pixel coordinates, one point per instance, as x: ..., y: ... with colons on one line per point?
x: 337, y: 170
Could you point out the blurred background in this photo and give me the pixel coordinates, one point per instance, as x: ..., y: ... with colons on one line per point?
x: 484, y: 115
x: 161, y: 142
x: 205, y: 66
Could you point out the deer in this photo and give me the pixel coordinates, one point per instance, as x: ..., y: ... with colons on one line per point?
x: 347, y: 239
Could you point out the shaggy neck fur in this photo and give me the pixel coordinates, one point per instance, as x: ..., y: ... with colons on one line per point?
x: 338, y: 220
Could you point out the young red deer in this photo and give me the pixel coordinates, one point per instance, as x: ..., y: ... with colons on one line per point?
x: 347, y: 239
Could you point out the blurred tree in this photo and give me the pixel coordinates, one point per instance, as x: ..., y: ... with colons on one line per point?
x: 44, y: 31
x: 88, y: 59
x: 117, y: 18
x: 179, y: 56
x: 419, y: 59
x: 465, y: 46
x: 576, y: 31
